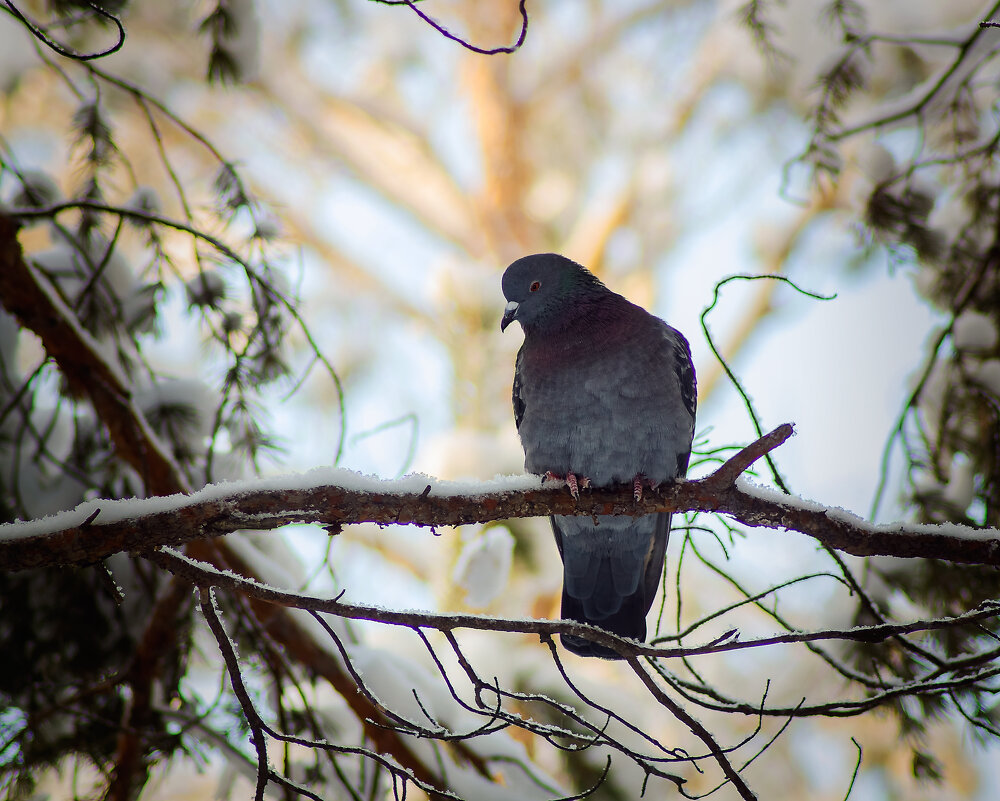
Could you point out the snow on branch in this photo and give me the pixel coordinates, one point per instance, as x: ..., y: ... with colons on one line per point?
x: 27, y: 294
x: 334, y: 497
x: 89, y: 373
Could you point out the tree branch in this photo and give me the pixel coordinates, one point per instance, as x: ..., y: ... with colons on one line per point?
x: 203, y: 574
x: 696, y: 727
x: 131, y: 769
x: 29, y: 296
x: 97, y: 529
x: 38, y: 306
x: 210, y: 611
x: 305, y: 647
x: 467, y: 45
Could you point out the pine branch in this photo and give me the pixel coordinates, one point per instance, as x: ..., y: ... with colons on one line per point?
x: 26, y: 294
x: 35, y: 302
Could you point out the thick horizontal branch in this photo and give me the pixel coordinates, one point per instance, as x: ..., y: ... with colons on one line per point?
x: 333, y: 498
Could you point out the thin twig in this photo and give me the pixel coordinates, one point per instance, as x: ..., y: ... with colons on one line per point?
x: 522, y: 10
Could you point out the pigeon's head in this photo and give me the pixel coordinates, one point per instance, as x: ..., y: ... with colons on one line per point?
x: 542, y: 287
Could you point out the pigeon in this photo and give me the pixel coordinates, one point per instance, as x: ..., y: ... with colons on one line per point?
x: 604, y: 393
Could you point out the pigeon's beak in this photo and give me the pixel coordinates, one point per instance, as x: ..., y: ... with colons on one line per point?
x: 509, y: 315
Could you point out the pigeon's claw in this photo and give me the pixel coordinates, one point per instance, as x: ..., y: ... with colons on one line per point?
x: 639, y: 482
x: 571, y: 480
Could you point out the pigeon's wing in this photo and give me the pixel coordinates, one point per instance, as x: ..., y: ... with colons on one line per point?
x: 683, y: 368
x: 517, y: 392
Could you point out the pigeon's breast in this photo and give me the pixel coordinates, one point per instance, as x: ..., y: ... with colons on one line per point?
x: 604, y: 412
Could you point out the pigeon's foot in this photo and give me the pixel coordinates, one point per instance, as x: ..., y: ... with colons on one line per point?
x: 571, y: 480
x: 639, y: 482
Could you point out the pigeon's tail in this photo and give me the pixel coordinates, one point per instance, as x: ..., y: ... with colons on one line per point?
x: 611, y: 571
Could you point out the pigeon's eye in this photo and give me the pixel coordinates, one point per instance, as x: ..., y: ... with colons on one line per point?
x: 535, y: 286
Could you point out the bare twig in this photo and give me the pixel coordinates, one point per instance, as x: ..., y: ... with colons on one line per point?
x: 726, y: 475
x: 200, y: 573
x: 521, y: 8
x: 695, y: 726
x: 210, y: 610
x: 39, y: 32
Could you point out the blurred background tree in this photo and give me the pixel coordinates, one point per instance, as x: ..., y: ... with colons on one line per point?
x: 285, y: 224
